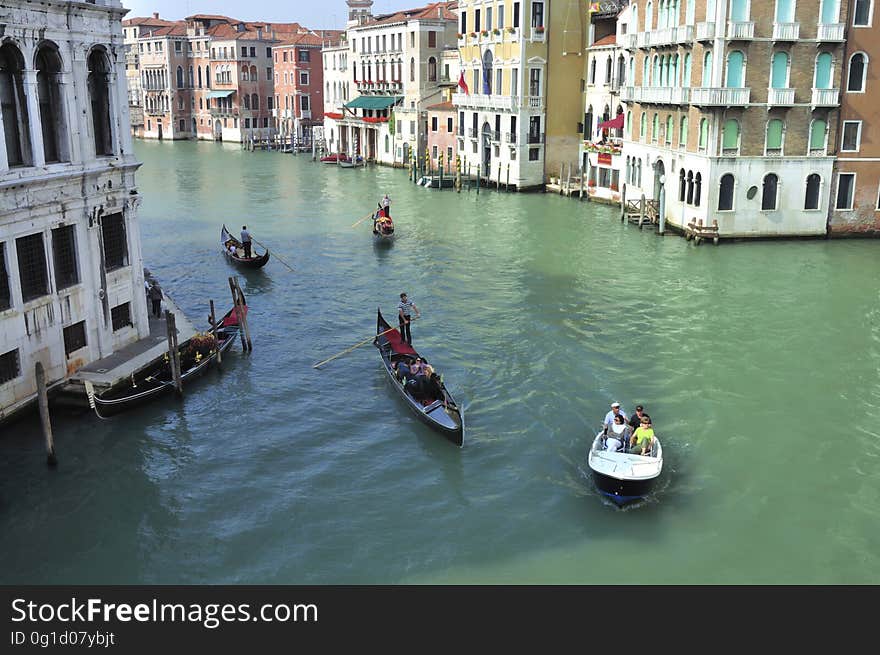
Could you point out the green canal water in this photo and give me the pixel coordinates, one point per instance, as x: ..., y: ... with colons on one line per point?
x: 759, y: 362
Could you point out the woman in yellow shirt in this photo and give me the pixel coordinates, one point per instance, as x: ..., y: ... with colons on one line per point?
x: 643, y: 438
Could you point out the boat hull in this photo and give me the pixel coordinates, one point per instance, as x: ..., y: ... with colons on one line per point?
x: 624, y: 477
x: 622, y: 492
x: 257, y: 261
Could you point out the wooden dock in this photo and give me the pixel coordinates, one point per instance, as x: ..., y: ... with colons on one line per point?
x: 641, y: 212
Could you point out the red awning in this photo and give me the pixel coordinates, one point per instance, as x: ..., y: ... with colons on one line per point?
x: 615, y: 123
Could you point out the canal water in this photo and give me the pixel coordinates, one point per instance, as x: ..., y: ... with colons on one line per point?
x: 759, y: 363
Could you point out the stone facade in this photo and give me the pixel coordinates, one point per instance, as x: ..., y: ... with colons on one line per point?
x: 71, y: 269
x: 299, y: 82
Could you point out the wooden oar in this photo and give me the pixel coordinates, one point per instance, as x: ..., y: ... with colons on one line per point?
x: 355, y: 346
x: 363, y: 219
x: 276, y: 255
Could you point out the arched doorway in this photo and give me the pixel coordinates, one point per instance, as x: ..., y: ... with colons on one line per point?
x: 486, y: 134
x: 159, y: 126
x: 218, y: 131
x: 195, y: 129
x: 659, y: 175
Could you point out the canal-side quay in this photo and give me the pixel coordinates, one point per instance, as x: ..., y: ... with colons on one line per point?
x: 539, y: 311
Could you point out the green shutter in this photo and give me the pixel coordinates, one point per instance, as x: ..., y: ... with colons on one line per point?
x: 774, y: 134
x: 823, y: 71
x: 683, y: 132
x: 704, y: 133
x: 779, y: 71
x: 730, y: 135
x: 817, y: 135
x: 735, y: 70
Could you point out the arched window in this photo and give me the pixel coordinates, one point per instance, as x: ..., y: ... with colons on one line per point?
x: 704, y: 134
x: 862, y: 13
x: 739, y: 10
x: 629, y: 121
x: 621, y: 71
x: 822, y: 77
x: 735, y: 70
x: 208, y: 76
x: 247, y: 101
x: 254, y: 76
x: 858, y: 69
x: 730, y: 137
x: 784, y: 11
x: 646, y: 72
x: 655, y: 73
x: 811, y: 194
x: 669, y: 130
x: 690, y: 188
x: 99, y: 96
x: 655, y: 128
x: 768, y: 196
x: 412, y: 69
x: 773, y: 143
x: 608, y: 69
x: 52, y: 114
x: 14, y: 106
x: 191, y: 81
x: 698, y: 188
x: 683, y: 132
x: 432, y: 69
x: 200, y: 76
x: 487, y: 73
x: 686, y: 73
x: 829, y: 12
x: 674, y: 81
x: 818, y: 136
x: 725, y: 193
x: 255, y: 102
x: 707, y: 68
x: 649, y: 8
x: 643, y: 122
x: 779, y: 70
x: 179, y: 77
x: 689, y: 12
x: 682, y: 185
x: 639, y: 173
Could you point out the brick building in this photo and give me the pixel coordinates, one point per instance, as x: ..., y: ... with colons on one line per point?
x: 299, y: 82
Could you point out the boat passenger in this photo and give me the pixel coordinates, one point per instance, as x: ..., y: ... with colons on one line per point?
x: 401, y: 369
x: 609, y: 417
x: 619, y: 433
x: 636, y: 419
x: 232, y: 250
x: 642, y: 440
x: 418, y: 368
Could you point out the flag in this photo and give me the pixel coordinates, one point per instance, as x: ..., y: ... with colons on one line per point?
x: 462, y: 84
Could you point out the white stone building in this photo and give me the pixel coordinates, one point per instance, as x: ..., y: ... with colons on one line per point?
x: 71, y: 269
x: 394, y: 73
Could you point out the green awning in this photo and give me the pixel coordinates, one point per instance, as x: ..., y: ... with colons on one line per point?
x: 221, y: 94
x: 373, y: 102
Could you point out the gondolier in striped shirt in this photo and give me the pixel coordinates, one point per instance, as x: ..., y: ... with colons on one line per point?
x: 246, y: 241
x: 405, y: 309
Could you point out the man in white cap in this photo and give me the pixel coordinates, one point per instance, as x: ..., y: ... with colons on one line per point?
x: 615, y: 410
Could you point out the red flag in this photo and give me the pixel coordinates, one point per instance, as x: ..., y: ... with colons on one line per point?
x: 462, y: 84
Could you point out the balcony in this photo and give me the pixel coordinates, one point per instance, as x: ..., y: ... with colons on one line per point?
x: 628, y: 93
x: 305, y: 114
x: 643, y: 39
x: 830, y: 32
x: 780, y: 97
x: 478, y: 101
x: 630, y: 41
x: 658, y: 95
x: 708, y: 96
x: 472, y: 132
x: 534, y: 102
x: 786, y: 31
x: 666, y: 36
x: 740, y: 31
x: 535, y: 138
x: 825, y: 97
x: 510, y: 137
x: 705, y: 31
x: 493, y: 135
x: 684, y: 34
x: 223, y: 111
x: 538, y: 34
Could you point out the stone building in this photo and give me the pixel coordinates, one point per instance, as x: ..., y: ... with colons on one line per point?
x: 734, y: 112
x: 71, y: 270
x: 855, y: 197
x: 443, y: 136
x: 132, y: 30
x: 394, y: 65
x: 299, y: 83
x: 522, y: 61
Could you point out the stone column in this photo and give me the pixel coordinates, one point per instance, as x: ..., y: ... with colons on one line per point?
x: 35, y: 125
x: 4, y: 161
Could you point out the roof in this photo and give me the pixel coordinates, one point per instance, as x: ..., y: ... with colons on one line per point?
x: 302, y: 40
x: 171, y: 30
x: 146, y: 21
x: 611, y: 39
x: 433, y: 11
x: 442, y: 106
x: 373, y: 102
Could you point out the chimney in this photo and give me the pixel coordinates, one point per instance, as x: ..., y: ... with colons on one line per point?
x: 156, y: 15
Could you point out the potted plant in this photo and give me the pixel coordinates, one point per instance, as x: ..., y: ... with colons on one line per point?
x: 473, y: 35
x: 496, y: 31
x: 460, y: 35
x: 591, y: 183
x: 511, y: 30
x: 613, y: 187
x: 539, y: 29
x: 484, y: 32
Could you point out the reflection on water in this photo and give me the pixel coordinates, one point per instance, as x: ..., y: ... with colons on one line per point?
x: 539, y: 311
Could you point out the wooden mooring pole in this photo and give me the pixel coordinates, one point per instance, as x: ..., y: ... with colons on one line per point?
x: 43, y: 401
x: 212, y: 319
x: 173, y: 351
x: 241, y: 314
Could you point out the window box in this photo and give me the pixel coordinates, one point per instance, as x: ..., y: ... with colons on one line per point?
x: 484, y: 32
x: 460, y: 35
x: 496, y: 31
x: 511, y: 30
x: 473, y: 35
x: 539, y: 29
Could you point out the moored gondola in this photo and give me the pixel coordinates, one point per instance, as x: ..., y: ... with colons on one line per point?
x: 434, y: 405
x: 196, y: 355
x: 226, y: 239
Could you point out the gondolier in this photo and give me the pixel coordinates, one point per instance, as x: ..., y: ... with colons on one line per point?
x: 405, y: 309
x: 386, y: 205
x: 246, y: 241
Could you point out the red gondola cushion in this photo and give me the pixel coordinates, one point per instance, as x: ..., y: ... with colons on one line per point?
x: 398, y: 345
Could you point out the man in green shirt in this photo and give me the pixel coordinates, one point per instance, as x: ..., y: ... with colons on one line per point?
x: 643, y: 438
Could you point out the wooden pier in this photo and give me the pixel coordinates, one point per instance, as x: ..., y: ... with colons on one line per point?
x: 698, y: 232
x: 641, y: 212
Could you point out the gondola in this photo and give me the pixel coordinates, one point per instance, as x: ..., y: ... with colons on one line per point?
x: 383, y: 231
x: 624, y: 477
x: 447, y: 419
x: 257, y: 261
x: 157, y: 380
x: 334, y: 158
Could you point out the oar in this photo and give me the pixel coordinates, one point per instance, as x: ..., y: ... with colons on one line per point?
x: 362, y: 220
x: 276, y: 255
x: 355, y: 346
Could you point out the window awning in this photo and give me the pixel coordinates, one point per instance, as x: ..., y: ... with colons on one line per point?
x: 373, y: 102
x: 221, y: 94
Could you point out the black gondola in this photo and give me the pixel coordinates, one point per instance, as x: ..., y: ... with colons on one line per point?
x: 383, y: 228
x: 157, y: 380
x: 257, y: 261
x: 439, y: 410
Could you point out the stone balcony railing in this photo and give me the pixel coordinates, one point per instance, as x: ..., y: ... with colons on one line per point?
x: 780, y: 97
x: 643, y: 39
x: 825, y: 97
x: 479, y: 101
x: 510, y: 137
x: 630, y: 41
x: 786, y: 31
x: 830, y: 32
x: 708, y: 96
x: 661, y: 37
x: 705, y: 31
x: 658, y: 95
x: 684, y: 34
x: 740, y: 30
